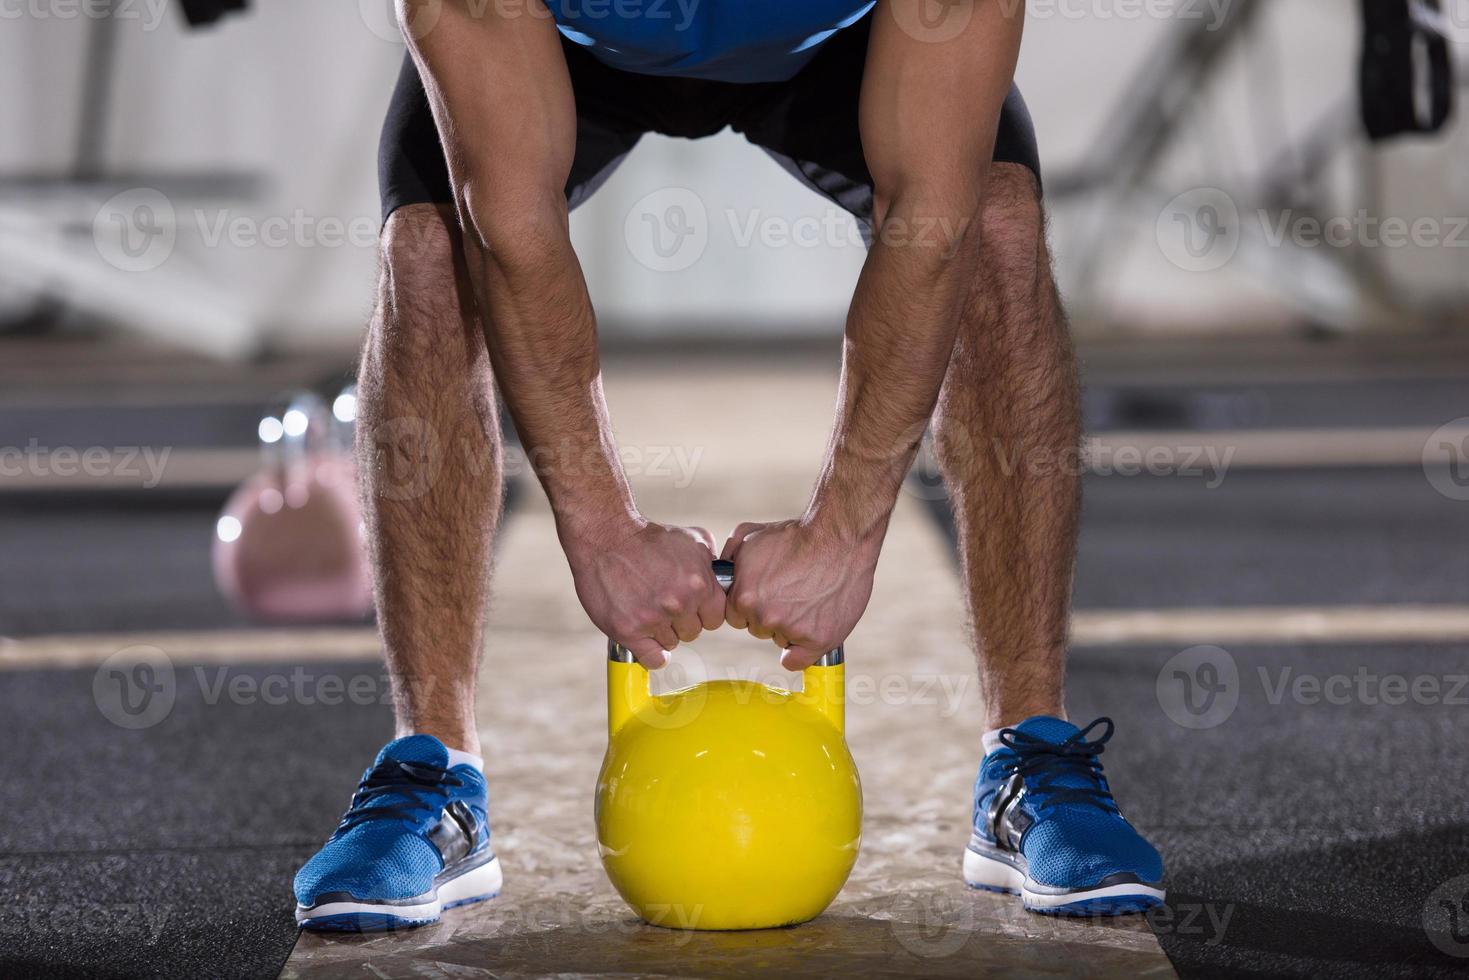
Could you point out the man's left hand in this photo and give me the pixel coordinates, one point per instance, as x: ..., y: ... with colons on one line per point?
x: 801, y: 586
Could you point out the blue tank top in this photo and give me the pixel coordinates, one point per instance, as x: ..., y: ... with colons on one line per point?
x: 719, y: 40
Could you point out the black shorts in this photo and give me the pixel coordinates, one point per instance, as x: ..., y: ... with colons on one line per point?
x: 807, y: 124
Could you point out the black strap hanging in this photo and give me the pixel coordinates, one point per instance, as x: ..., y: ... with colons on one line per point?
x: 1407, y: 76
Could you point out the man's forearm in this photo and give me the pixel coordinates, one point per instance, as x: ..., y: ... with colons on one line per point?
x: 899, y: 337
x: 930, y: 110
x: 541, y: 334
x: 506, y: 114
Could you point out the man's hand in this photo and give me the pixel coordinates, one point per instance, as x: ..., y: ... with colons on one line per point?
x: 798, y: 585
x: 649, y: 589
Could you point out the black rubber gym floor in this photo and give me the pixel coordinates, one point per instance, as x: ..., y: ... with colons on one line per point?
x: 167, y: 851
x: 1301, y: 839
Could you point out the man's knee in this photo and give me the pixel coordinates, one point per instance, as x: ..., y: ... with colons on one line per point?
x: 421, y: 254
x: 1013, y: 224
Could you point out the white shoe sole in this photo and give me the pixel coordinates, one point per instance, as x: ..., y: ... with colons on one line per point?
x: 476, y: 884
x: 990, y: 873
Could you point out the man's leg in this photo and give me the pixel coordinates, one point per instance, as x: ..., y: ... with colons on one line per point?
x: 416, y: 837
x: 430, y: 460
x: 1006, y: 434
x: 429, y: 436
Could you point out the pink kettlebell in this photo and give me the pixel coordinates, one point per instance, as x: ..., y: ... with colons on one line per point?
x: 288, y: 546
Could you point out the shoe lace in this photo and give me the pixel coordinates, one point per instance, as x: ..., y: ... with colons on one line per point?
x: 1044, y: 765
x: 424, y: 788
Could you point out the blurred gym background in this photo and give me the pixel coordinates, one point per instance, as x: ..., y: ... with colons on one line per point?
x: 1260, y: 217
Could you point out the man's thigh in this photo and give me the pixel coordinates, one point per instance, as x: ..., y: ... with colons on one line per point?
x: 809, y: 126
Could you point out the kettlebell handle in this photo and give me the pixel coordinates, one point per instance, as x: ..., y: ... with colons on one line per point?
x: 724, y: 575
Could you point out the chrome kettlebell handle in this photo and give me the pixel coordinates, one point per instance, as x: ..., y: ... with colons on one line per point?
x: 724, y: 575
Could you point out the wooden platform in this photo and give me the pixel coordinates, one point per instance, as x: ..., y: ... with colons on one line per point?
x: 913, y: 729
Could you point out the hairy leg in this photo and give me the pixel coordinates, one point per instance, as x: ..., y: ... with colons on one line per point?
x: 1007, y: 433
x: 430, y: 460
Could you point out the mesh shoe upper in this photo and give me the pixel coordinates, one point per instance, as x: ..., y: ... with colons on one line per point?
x: 1074, y: 835
x: 381, y: 850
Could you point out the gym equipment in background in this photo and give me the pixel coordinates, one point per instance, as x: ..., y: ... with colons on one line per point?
x: 730, y: 804
x: 289, y: 546
x: 49, y: 247
x: 1407, y: 78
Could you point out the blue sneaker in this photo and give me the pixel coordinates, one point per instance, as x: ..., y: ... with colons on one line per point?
x: 415, y: 841
x: 1046, y: 826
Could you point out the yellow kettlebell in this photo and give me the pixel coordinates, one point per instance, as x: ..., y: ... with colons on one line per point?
x: 730, y: 804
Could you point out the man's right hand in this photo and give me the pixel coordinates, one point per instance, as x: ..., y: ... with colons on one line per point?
x: 648, y: 589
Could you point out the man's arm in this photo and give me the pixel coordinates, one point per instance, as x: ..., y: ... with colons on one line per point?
x: 931, y: 100
x: 503, y: 102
